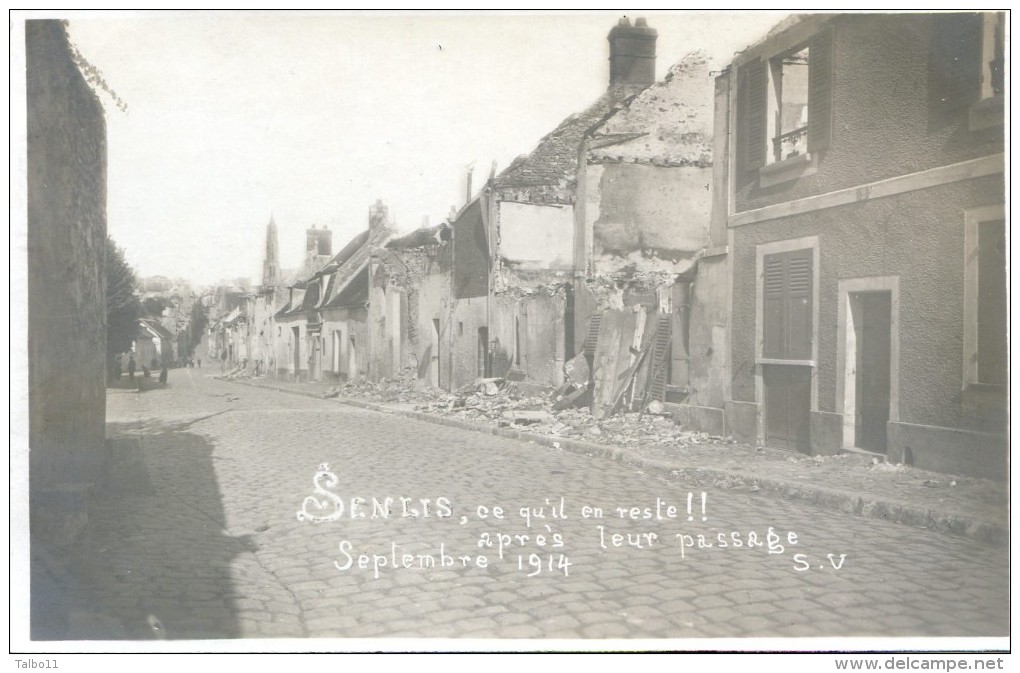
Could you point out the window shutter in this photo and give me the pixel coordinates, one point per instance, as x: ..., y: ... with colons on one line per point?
x: 787, y: 305
x: 820, y: 91
x: 773, y: 285
x: 798, y: 305
x: 955, y: 77
x: 754, y: 110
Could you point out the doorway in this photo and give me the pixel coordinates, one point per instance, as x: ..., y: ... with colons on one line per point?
x: 868, y: 367
x: 787, y: 406
x: 297, y: 350
x: 484, y: 369
x: 315, y: 366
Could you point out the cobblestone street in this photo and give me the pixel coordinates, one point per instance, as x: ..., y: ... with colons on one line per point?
x: 197, y: 536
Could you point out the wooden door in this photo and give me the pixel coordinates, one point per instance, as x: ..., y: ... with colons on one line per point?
x: 787, y: 406
x: 874, y: 330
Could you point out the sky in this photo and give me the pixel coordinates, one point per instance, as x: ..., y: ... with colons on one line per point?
x: 310, y: 118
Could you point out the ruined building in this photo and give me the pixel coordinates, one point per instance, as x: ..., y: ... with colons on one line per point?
x: 650, y: 269
x: 409, y: 298
x: 527, y: 231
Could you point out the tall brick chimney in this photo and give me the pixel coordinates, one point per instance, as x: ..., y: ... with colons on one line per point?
x: 318, y: 249
x: 631, y: 56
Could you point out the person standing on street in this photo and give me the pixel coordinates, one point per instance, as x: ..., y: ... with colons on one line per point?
x: 131, y: 367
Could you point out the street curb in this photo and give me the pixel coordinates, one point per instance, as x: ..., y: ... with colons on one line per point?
x: 820, y: 496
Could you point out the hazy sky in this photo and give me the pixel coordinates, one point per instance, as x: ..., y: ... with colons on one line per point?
x: 233, y: 117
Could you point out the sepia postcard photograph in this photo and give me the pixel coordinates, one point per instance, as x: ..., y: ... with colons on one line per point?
x: 511, y: 331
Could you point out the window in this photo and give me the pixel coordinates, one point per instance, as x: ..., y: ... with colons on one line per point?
x: 967, y: 66
x: 786, y: 310
x: 337, y: 340
x: 784, y: 103
x: 993, y: 52
x: 986, y: 359
x: 788, y: 75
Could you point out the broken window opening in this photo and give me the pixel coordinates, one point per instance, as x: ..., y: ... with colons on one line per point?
x: 788, y: 105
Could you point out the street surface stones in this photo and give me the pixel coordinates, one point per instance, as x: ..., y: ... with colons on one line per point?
x: 197, y: 535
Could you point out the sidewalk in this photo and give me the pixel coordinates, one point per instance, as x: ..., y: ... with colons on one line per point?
x: 969, y: 507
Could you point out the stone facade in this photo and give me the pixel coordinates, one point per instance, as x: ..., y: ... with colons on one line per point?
x: 894, y: 210
x: 67, y: 307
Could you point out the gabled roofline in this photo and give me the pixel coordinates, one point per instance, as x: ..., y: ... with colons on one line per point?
x: 337, y: 291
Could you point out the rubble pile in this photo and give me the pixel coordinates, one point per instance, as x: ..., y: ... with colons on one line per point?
x: 500, y: 402
x: 404, y: 389
x: 244, y: 371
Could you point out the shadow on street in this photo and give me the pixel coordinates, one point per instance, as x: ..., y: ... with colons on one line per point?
x: 155, y: 558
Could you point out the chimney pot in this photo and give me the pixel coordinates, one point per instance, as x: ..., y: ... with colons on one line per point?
x: 631, y: 56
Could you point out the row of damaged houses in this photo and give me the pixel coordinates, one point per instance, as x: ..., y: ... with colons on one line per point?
x: 805, y: 249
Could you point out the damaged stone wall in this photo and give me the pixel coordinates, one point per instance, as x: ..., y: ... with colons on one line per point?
x: 352, y: 325
x: 536, y: 236
x: 461, y: 360
x: 709, y: 317
x: 697, y: 378
x: 642, y: 233
x: 431, y: 309
x: 647, y: 218
x: 528, y: 330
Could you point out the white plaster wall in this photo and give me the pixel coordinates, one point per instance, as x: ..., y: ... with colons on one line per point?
x: 537, y: 237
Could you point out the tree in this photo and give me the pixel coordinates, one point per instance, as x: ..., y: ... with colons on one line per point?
x: 123, y: 308
x: 197, y: 324
x: 154, y: 306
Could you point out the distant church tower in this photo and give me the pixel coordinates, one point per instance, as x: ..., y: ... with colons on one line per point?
x: 271, y: 263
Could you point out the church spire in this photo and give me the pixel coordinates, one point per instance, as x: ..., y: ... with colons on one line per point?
x: 271, y: 262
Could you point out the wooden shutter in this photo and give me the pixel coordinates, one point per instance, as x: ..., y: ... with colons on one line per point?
x: 798, y: 305
x: 592, y: 339
x: 820, y: 91
x: 660, y: 358
x: 752, y: 105
x: 773, y: 293
x: 955, y: 64
x: 787, y: 305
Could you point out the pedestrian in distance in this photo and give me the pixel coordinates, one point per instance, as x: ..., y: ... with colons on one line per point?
x: 131, y: 367
x: 163, y: 375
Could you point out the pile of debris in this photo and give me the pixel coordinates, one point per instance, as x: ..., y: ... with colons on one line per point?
x: 245, y: 370
x: 404, y: 389
x: 503, y: 403
x: 497, y: 400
